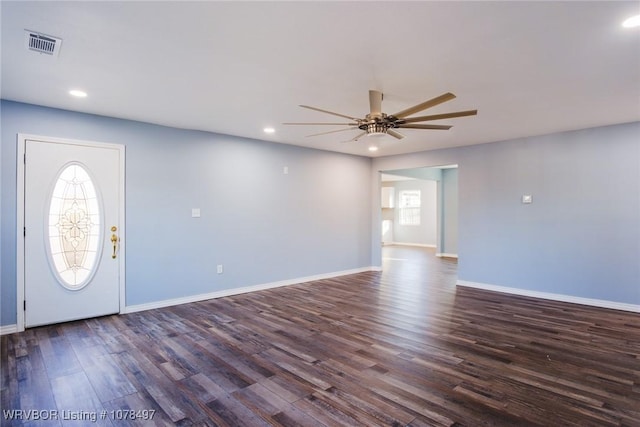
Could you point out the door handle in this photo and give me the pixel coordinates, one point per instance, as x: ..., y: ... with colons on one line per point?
x: 114, y: 241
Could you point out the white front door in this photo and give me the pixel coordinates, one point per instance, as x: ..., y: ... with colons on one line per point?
x: 72, y: 231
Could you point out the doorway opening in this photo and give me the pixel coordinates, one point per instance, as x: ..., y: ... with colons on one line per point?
x: 419, y: 207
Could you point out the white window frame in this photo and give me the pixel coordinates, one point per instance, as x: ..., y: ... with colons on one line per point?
x: 409, y: 203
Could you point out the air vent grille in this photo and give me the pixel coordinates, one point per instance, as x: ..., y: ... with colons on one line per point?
x: 42, y: 43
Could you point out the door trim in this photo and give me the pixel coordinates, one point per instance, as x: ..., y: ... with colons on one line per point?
x: 20, y: 220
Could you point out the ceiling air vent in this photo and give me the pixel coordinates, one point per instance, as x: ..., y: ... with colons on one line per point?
x: 42, y: 43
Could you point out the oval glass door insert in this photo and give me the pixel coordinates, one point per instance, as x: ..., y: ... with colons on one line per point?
x: 74, y: 227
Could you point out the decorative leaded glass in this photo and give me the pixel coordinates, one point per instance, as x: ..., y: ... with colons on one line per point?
x: 74, y: 227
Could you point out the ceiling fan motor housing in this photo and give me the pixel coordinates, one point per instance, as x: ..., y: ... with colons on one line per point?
x: 378, y: 124
x: 376, y: 128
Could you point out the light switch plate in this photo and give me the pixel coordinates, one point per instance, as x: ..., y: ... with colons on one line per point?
x: 526, y: 199
x: 195, y: 213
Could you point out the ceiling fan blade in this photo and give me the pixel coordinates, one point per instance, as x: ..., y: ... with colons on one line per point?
x: 313, y: 124
x: 440, y: 116
x: 375, y: 102
x: 331, y: 112
x: 395, y: 134
x: 433, y: 127
x: 357, y: 137
x: 427, y: 104
x: 331, y: 131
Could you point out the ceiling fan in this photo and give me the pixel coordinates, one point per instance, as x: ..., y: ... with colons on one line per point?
x: 378, y: 123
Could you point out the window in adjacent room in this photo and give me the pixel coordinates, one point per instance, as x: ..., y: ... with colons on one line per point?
x: 409, y: 204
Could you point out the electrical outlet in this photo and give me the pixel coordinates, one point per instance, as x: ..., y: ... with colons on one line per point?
x: 220, y: 269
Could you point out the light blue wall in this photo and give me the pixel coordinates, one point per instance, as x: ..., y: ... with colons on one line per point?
x: 1, y: 222
x: 449, y: 211
x: 430, y: 174
x: 262, y: 225
x: 581, y: 235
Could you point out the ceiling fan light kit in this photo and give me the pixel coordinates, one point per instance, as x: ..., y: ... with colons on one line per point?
x: 377, y: 123
x: 375, y: 129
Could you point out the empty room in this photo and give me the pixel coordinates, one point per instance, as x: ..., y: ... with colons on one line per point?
x: 320, y: 213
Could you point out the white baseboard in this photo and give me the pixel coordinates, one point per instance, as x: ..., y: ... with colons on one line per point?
x: 8, y: 329
x: 419, y: 245
x: 446, y: 255
x: 243, y: 290
x: 551, y: 296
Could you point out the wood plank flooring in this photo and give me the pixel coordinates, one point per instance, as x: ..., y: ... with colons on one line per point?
x: 396, y: 348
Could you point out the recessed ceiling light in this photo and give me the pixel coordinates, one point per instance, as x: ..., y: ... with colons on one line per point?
x: 269, y: 130
x: 78, y: 93
x: 634, y: 21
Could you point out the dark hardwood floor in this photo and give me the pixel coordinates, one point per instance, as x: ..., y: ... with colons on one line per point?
x: 401, y: 347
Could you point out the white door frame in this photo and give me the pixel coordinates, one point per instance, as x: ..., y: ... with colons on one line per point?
x: 20, y: 282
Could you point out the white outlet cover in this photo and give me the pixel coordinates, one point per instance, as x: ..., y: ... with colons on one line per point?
x: 195, y: 213
x: 526, y: 199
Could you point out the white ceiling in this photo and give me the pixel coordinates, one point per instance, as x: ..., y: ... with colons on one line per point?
x: 530, y: 68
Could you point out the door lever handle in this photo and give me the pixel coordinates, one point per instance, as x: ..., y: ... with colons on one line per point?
x: 114, y: 240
